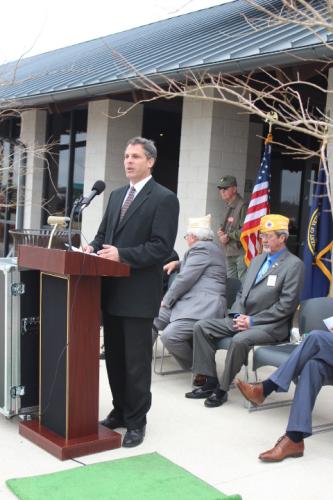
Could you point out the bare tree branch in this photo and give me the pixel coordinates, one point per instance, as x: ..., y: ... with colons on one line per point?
x: 284, y: 91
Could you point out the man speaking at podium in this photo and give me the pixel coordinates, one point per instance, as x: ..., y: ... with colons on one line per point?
x: 138, y: 228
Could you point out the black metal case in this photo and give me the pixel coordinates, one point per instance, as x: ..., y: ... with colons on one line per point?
x: 19, y: 339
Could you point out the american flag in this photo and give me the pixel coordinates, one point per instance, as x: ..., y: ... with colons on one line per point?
x: 258, y: 206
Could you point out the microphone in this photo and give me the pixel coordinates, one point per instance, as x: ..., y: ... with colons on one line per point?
x: 97, y: 188
x: 53, y: 220
x: 80, y: 204
x: 56, y: 221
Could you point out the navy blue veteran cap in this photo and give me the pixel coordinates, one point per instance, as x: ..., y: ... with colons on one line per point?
x: 227, y: 181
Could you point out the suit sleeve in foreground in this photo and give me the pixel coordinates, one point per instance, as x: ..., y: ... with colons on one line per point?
x: 162, y: 237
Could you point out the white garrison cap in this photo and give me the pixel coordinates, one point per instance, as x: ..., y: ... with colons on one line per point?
x: 199, y: 222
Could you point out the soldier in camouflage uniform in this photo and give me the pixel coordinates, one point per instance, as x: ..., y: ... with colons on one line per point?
x: 231, y: 227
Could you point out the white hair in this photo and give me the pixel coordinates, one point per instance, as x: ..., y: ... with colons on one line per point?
x: 202, y: 233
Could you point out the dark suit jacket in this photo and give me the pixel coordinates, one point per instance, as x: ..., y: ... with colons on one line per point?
x: 144, y: 238
x: 272, y: 307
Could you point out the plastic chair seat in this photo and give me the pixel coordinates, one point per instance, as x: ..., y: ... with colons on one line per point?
x: 272, y: 355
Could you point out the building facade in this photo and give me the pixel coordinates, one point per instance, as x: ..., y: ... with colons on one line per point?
x: 73, y: 134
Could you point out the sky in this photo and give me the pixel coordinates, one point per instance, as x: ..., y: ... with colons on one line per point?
x: 35, y: 26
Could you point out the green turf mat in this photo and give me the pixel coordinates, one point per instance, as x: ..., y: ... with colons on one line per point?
x: 143, y: 477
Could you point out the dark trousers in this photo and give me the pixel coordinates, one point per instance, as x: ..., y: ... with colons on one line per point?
x: 128, y: 356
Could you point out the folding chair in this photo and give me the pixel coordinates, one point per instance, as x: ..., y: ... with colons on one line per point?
x: 164, y: 353
x: 312, y: 313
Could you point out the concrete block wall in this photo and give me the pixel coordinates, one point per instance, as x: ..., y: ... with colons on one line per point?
x: 33, y: 135
x: 229, y: 144
x: 214, y: 141
x: 194, y: 161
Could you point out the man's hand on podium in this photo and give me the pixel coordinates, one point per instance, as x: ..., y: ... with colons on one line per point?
x: 109, y: 252
x: 87, y: 249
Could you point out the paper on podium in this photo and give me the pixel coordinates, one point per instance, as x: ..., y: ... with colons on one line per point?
x: 76, y: 249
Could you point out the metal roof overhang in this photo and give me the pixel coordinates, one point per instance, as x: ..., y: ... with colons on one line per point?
x: 283, y: 58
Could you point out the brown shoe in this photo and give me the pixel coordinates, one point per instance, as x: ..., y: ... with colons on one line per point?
x: 252, y: 392
x: 284, y: 448
x: 199, y: 380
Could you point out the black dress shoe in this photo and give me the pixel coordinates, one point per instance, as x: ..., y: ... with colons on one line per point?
x: 112, y: 422
x: 200, y: 393
x: 213, y: 401
x: 133, y: 437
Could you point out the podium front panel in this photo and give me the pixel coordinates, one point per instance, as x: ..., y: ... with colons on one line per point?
x: 53, y: 352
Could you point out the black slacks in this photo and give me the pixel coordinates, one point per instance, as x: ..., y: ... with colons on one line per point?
x: 128, y: 356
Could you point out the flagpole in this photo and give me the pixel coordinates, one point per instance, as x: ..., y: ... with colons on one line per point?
x: 259, y: 202
x: 323, y: 157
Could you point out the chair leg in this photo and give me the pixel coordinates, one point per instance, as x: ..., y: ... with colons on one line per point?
x: 162, y: 358
x: 246, y: 374
x: 247, y: 403
x: 268, y: 406
x: 316, y: 429
x: 155, y: 355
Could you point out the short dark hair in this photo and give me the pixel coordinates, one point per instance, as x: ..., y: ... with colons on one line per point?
x: 148, y: 145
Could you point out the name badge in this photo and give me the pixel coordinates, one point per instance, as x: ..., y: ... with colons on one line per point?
x: 271, y: 280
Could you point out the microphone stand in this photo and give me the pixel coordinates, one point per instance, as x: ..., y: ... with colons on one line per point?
x: 82, y: 202
x: 76, y: 204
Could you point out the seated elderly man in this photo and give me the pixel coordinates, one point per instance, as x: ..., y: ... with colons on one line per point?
x: 261, y: 313
x: 198, y: 291
x: 312, y: 364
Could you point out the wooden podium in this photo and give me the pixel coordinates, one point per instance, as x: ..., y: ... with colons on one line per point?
x: 70, y: 293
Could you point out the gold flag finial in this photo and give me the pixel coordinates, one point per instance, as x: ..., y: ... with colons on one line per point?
x: 271, y: 117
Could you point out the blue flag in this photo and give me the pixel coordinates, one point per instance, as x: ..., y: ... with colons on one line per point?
x: 318, y: 244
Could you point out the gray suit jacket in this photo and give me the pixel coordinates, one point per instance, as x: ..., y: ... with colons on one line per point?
x: 272, y: 307
x: 198, y: 292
